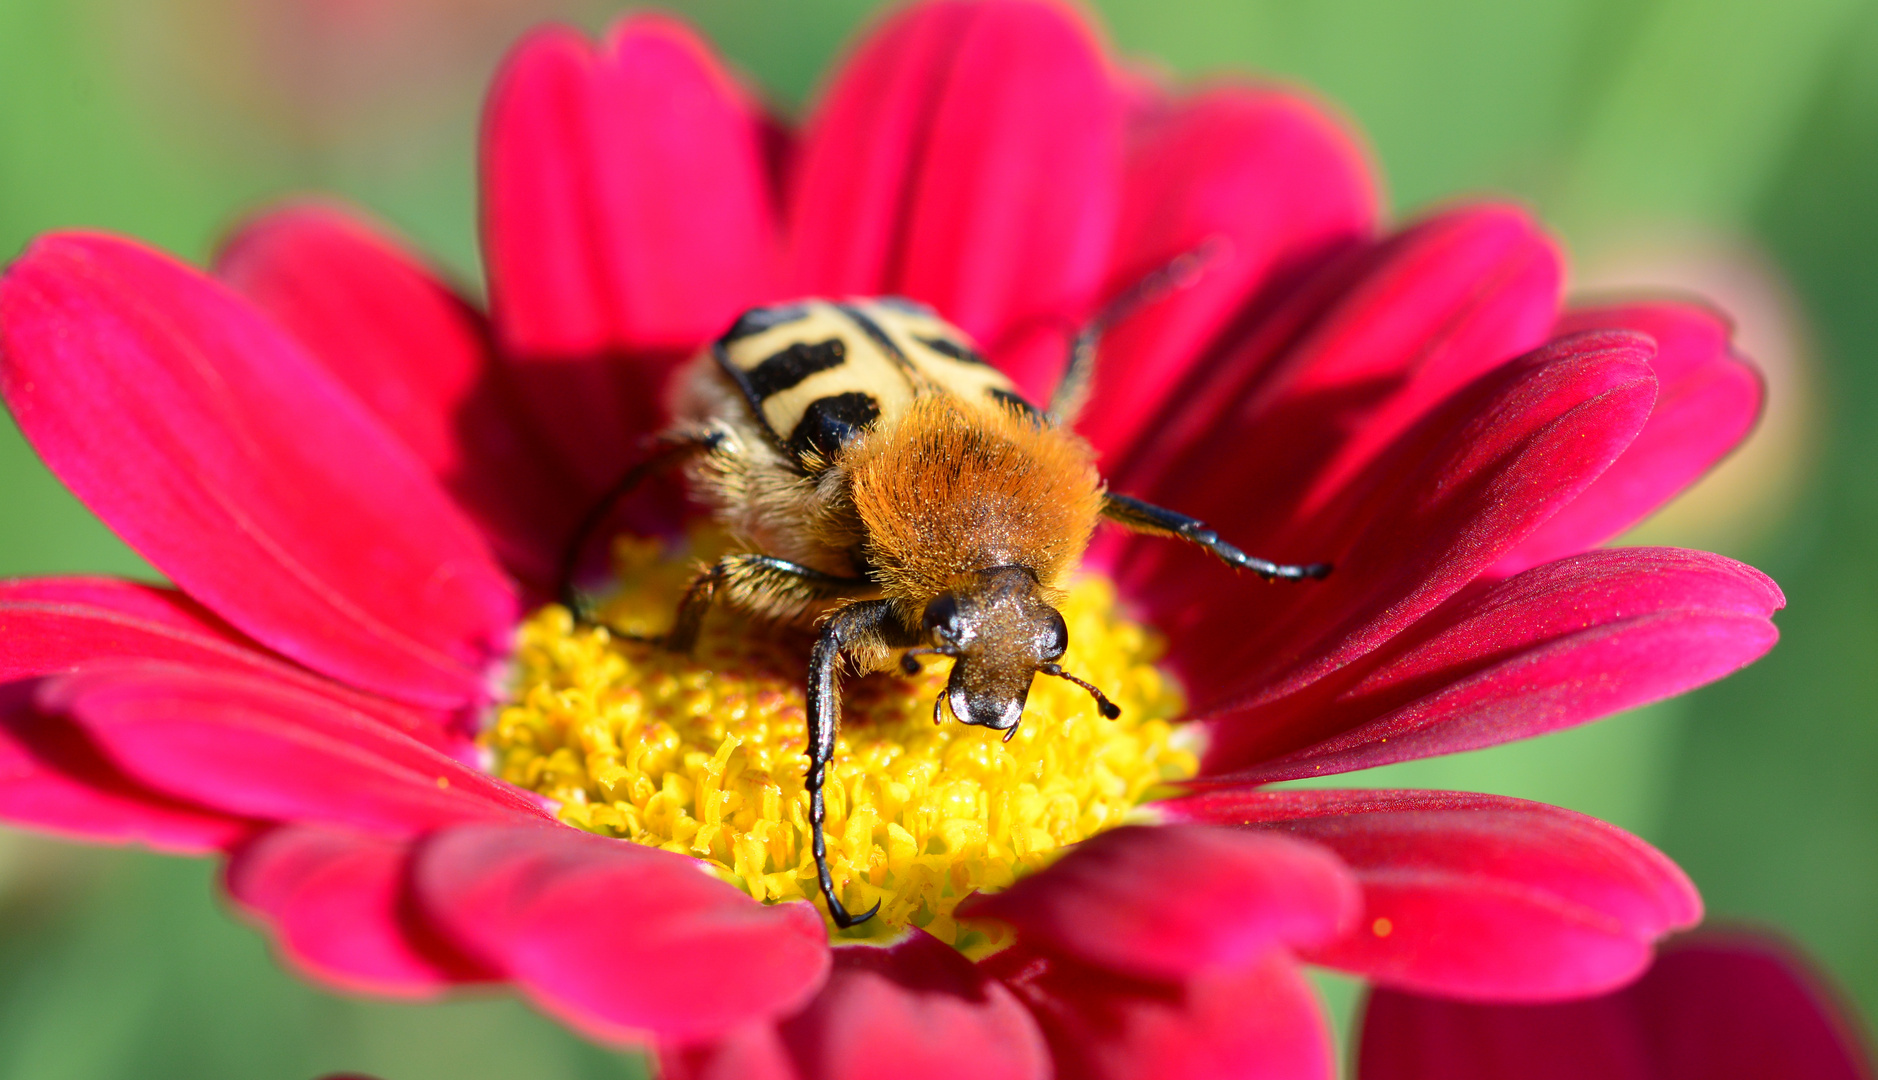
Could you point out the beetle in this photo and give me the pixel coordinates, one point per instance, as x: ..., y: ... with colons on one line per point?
x: 899, y: 492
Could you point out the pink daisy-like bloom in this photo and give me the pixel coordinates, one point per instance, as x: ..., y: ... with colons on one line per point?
x: 359, y: 483
x: 1714, y: 1006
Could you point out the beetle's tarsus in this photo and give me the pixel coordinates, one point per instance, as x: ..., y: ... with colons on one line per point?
x: 845, y: 920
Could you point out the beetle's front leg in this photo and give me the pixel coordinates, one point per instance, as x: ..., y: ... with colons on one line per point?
x: 1152, y: 520
x: 870, y: 623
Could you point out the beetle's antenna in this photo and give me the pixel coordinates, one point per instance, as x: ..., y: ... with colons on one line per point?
x: 1107, y: 708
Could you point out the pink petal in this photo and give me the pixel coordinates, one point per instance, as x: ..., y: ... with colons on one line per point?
x: 968, y: 155
x: 627, y: 219
x: 628, y: 197
x: 1739, y: 1004
x: 915, y: 1010
x: 335, y: 902
x: 1409, y: 1036
x: 1425, y: 519
x: 752, y: 1052
x: 53, y: 779
x: 1260, y: 178
x: 1559, y: 645
x: 1171, y: 901
x: 262, y: 749
x: 418, y: 357
x: 1285, y: 418
x: 55, y: 625
x: 1707, y: 401
x: 1476, y: 896
x: 1712, y: 1007
x: 618, y: 939
x: 219, y: 449
x: 132, y: 600
x: 1256, y: 1021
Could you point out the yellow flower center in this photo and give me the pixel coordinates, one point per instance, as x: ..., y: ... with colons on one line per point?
x: 704, y: 755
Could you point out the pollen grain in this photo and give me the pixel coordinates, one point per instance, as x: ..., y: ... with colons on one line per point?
x: 704, y: 755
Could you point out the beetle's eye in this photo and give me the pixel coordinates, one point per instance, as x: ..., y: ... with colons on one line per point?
x: 1055, y: 638
x: 942, y: 615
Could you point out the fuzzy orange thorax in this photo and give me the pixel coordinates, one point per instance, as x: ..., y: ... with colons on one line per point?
x: 954, y: 488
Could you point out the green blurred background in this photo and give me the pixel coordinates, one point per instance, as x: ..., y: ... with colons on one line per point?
x: 1728, y: 147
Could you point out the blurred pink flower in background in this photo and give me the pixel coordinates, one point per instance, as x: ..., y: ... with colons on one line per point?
x: 319, y: 74
x: 358, y: 482
x: 1715, y: 1006
x: 1755, y: 489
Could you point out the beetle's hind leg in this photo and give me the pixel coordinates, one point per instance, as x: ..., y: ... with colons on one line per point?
x: 1145, y: 517
x: 1072, y: 390
x: 762, y: 584
x: 668, y: 451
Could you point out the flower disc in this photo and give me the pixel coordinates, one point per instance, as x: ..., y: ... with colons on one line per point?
x: 705, y: 755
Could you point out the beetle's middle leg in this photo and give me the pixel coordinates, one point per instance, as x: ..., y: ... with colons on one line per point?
x: 1152, y: 520
x: 762, y: 584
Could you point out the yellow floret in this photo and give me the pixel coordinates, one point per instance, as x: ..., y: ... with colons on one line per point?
x: 705, y: 755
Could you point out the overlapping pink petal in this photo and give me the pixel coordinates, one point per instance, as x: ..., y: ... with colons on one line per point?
x: 629, y: 198
x: 219, y: 449
x: 1421, y: 522
x: 1708, y: 399
x: 354, y: 901
x: 1260, y: 188
x: 258, y: 748
x: 1171, y: 902
x: 61, y: 625
x: 618, y: 939
x: 1476, y: 896
x: 1729, y: 1006
x: 352, y: 476
x: 337, y: 902
x: 968, y: 155
x: 52, y: 779
x: 1259, y: 1020
x: 915, y: 1009
x: 419, y: 357
x: 1347, y: 361
x: 628, y: 217
x: 1560, y: 644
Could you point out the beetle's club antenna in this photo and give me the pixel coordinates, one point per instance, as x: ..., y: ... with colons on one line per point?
x: 1107, y: 708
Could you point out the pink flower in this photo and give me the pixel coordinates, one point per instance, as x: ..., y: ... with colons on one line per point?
x: 1712, y: 1007
x: 358, y: 482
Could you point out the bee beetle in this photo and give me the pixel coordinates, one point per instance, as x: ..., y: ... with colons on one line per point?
x: 896, y: 487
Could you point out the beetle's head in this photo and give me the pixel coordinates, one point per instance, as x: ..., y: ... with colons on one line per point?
x: 1000, y: 632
